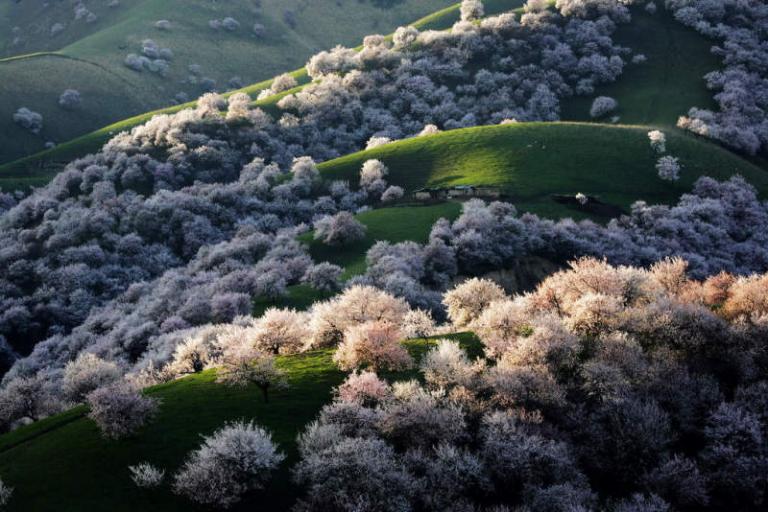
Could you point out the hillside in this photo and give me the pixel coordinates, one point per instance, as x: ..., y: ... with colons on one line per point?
x: 78, y: 470
x: 654, y: 93
x: 89, y: 56
x: 531, y: 161
x: 211, y: 273
x: 664, y: 87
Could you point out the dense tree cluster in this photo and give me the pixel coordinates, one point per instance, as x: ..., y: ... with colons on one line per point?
x: 719, y: 226
x: 153, y: 58
x: 607, y: 388
x: 742, y: 86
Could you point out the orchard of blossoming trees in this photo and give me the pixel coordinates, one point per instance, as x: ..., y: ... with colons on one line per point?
x: 632, y: 382
x: 605, y: 388
x: 717, y: 227
x: 184, y: 220
x: 198, y: 200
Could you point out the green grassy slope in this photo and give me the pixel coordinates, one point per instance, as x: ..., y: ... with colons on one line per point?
x: 36, y: 169
x: 665, y: 87
x: 532, y: 161
x: 112, y: 92
x: 63, y: 464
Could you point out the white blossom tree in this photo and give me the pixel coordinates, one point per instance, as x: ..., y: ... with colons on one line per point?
x: 668, y: 168
x: 472, y: 10
x: 87, y: 373
x: 602, y: 106
x: 237, y: 458
x: 6, y: 493
x: 467, y: 301
x: 339, y: 229
x: 280, y: 331
x: 244, y: 365
x: 119, y: 409
x: 375, y: 345
x: 658, y: 141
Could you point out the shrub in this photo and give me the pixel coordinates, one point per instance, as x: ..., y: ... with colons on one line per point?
x: 235, y: 459
x: 119, y: 409
x: 70, y: 99
x: 602, y: 106
x: 146, y: 475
